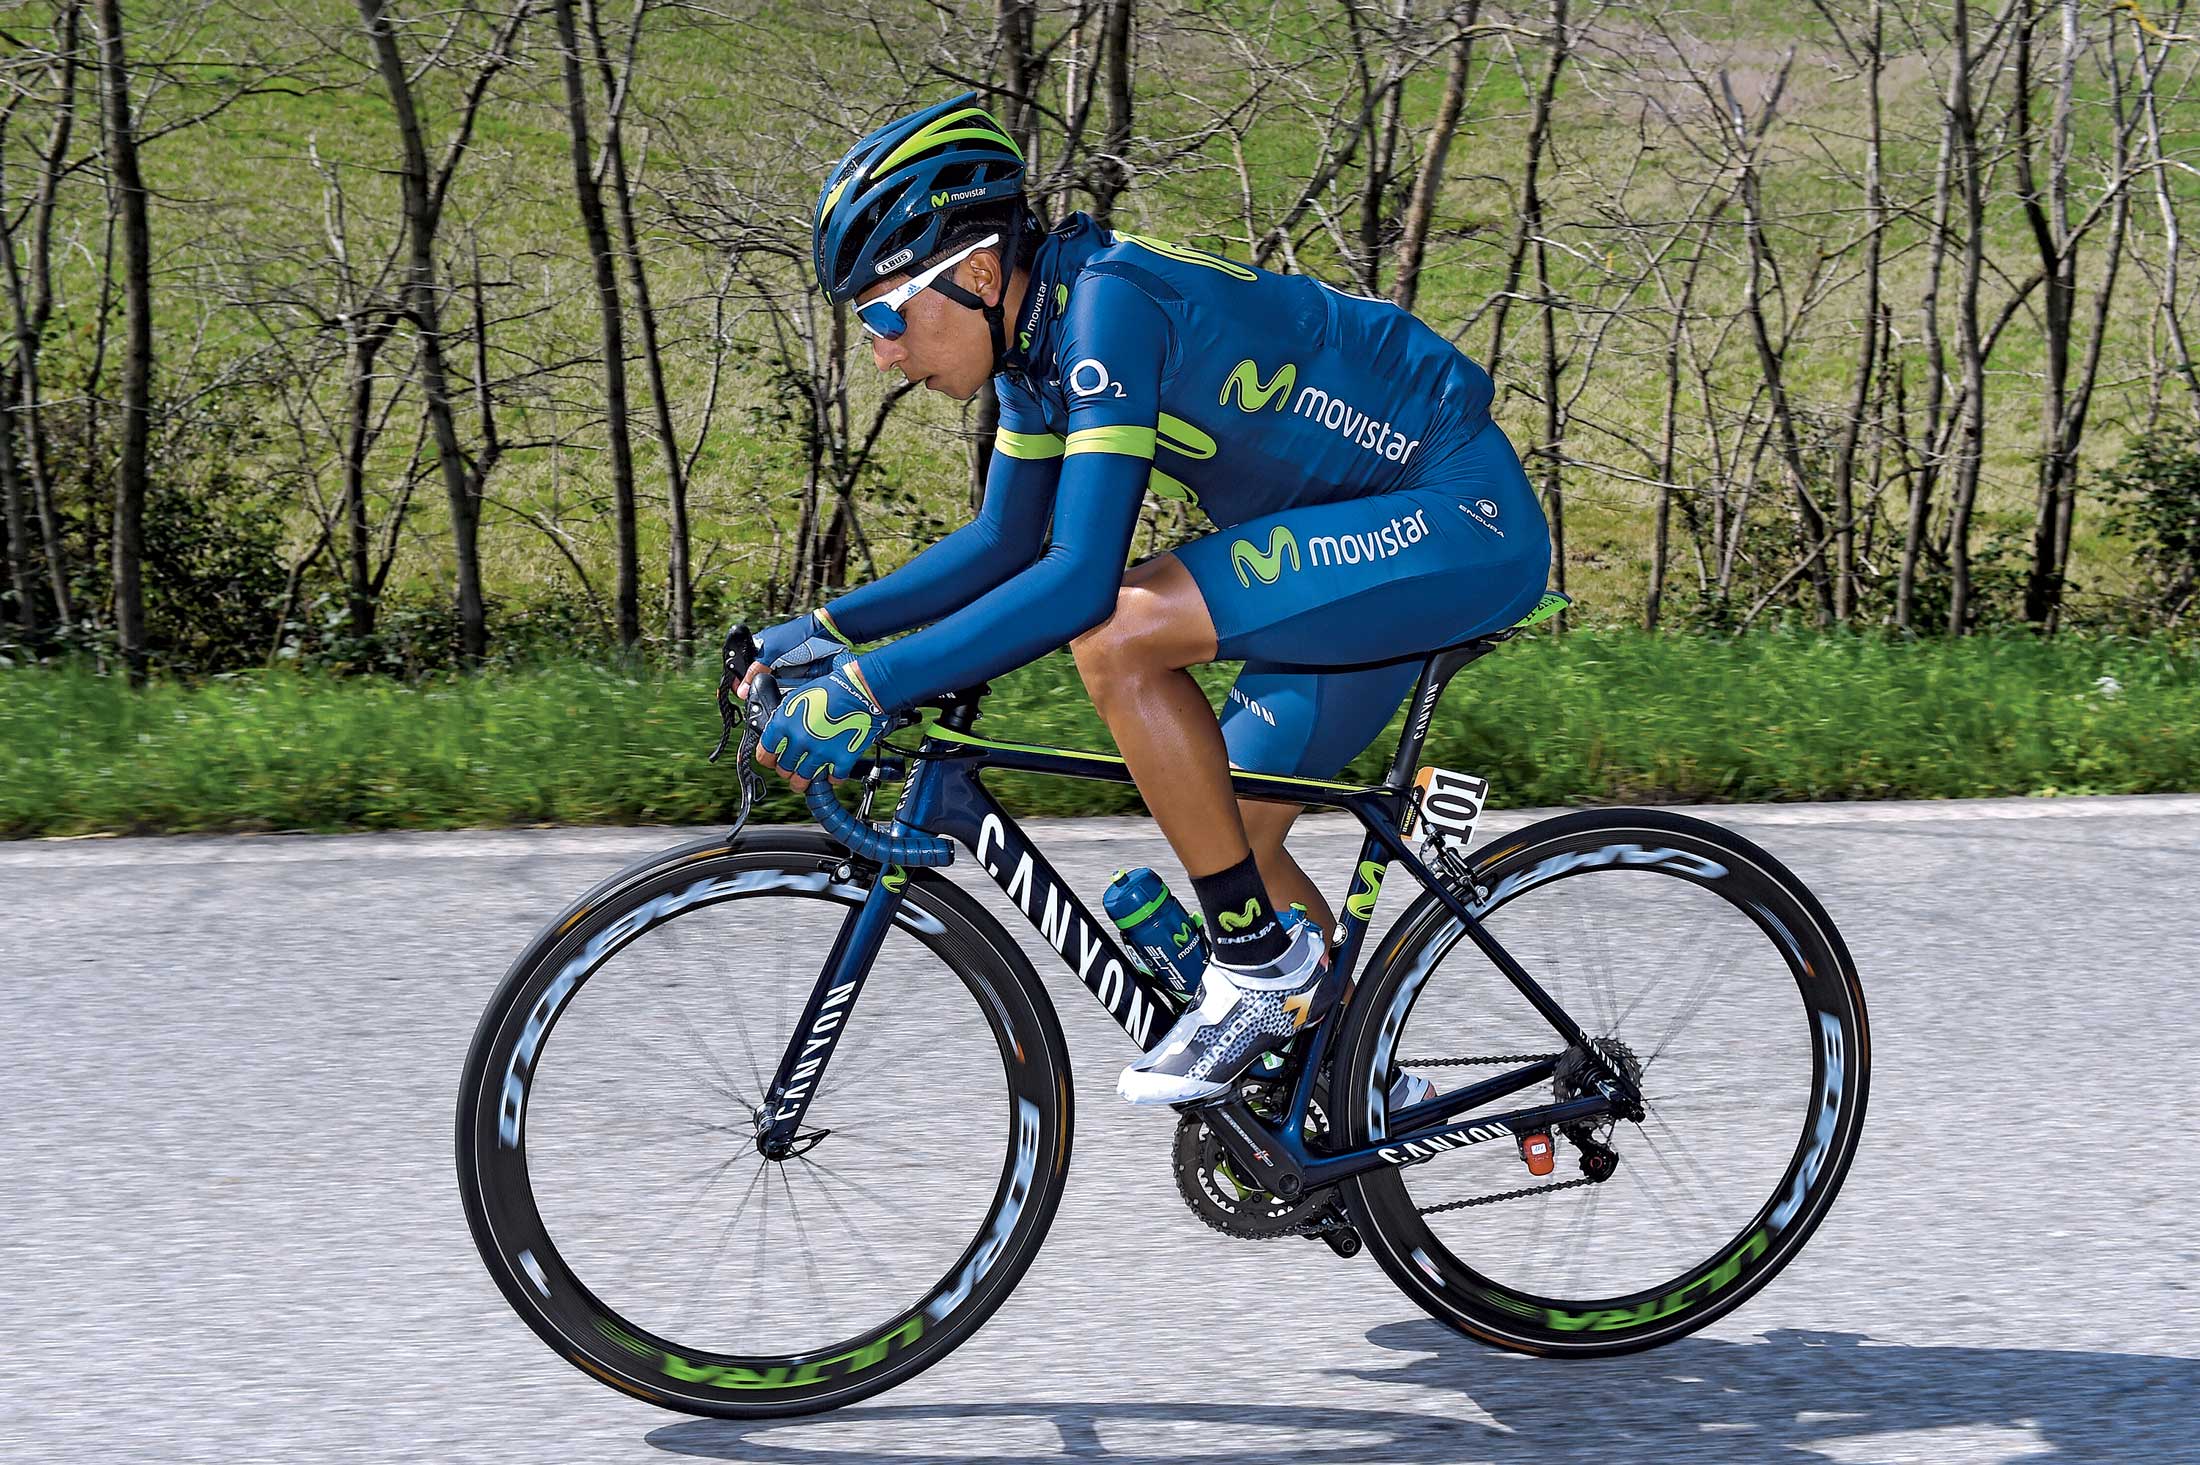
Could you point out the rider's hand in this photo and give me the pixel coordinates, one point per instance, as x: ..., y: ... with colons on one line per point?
x: 821, y: 730
x: 795, y: 651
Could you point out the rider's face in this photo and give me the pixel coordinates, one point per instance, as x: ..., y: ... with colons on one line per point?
x: 947, y: 346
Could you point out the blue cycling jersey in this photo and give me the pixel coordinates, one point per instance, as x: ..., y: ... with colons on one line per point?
x: 1141, y: 365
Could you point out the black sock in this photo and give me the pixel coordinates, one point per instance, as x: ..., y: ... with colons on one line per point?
x: 1242, y: 928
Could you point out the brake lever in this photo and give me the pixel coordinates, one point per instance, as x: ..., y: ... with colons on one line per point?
x: 736, y: 656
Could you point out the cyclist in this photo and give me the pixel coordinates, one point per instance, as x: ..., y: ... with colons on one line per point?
x: 1367, y: 509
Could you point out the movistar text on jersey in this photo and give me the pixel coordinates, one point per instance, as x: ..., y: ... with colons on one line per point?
x: 1375, y: 544
x: 1340, y: 416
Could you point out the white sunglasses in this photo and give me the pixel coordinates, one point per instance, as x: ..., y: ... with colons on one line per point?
x: 882, y: 317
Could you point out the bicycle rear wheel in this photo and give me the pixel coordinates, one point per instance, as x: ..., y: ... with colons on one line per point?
x: 1690, y: 957
x: 608, y: 1115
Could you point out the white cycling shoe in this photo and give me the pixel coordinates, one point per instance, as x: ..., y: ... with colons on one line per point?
x: 1241, y: 1014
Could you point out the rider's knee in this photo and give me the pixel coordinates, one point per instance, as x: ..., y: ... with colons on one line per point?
x: 1130, y: 639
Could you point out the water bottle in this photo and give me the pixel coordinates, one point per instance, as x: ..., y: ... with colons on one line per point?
x: 1164, y: 940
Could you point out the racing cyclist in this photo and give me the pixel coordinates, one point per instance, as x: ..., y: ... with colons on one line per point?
x: 1365, y: 506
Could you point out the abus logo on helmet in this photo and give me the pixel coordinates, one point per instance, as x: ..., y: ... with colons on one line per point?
x: 893, y: 262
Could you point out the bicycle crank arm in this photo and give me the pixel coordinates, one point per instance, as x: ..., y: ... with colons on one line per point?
x: 1255, y: 1148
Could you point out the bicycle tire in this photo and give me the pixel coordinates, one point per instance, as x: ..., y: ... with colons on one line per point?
x: 1471, y: 1300
x: 520, y: 1251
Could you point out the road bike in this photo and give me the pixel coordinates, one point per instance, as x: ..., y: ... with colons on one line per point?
x: 729, y: 1176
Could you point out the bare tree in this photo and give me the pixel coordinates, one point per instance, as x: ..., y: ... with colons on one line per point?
x: 1428, y: 179
x: 31, y: 307
x: 618, y: 78
x: 610, y: 313
x: 1530, y: 227
x: 424, y: 195
x: 2161, y: 160
x: 137, y: 359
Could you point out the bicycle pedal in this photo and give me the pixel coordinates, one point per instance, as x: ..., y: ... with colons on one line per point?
x: 1535, y: 1149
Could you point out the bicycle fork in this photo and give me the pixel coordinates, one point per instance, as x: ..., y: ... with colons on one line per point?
x: 824, y: 1018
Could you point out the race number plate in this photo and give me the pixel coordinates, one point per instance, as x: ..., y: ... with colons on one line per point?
x: 1449, y: 802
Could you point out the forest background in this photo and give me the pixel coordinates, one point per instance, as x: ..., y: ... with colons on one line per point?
x: 359, y: 352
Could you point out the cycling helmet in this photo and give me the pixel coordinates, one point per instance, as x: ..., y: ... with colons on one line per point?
x: 889, y: 201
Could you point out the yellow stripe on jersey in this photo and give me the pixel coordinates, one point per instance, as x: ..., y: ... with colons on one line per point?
x: 1027, y: 444
x: 1131, y: 442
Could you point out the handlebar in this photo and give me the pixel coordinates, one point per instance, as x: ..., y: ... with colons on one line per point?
x: 885, y: 845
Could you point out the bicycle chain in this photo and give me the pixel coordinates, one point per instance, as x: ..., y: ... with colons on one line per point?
x: 1491, y: 1200
x: 1409, y: 1065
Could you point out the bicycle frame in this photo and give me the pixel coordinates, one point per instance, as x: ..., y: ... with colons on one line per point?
x: 942, y: 796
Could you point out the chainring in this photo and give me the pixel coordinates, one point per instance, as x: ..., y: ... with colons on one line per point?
x: 1235, y: 1207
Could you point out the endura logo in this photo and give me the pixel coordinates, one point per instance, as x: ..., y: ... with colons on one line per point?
x: 1357, y: 427
x: 1266, y: 565
x: 1396, y: 537
x: 1252, y: 393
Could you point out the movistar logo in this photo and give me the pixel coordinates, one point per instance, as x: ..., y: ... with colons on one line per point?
x: 939, y: 200
x: 1239, y: 920
x: 1361, y: 903
x: 1355, y: 426
x: 811, y: 702
x: 1253, y: 393
x: 1266, y: 565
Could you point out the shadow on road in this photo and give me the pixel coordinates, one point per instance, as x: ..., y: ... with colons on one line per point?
x: 1792, y: 1396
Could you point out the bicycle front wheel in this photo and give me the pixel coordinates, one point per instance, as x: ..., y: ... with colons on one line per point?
x: 1694, y: 962
x: 608, y: 1117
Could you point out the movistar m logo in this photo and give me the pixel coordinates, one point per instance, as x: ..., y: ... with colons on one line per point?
x: 1266, y: 566
x: 1361, y: 903
x: 811, y: 702
x: 1253, y: 393
x: 1239, y: 920
x: 939, y: 200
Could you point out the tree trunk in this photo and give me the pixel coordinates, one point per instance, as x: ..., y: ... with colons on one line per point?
x: 31, y: 307
x: 1016, y: 33
x: 365, y: 345
x: 1554, y: 427
x: 1381, y: 165
x: 1971, y: 449
x: 423, y: 217
x: 1111, y: 170
x: 679, y: 569
x: 1772, y: 360
x: 610, y: 317
x: 21, y: 578
x: 2049, y: 221
x: 981, y: 447
x: 1428, y: 182
x: 1936, y: 371
x: 137, y: 359
x: 1875, y: 226
x: 1531, y: 195
x: 2165, y: 203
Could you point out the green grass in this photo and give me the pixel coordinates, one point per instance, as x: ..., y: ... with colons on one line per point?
x: 1589, y: 717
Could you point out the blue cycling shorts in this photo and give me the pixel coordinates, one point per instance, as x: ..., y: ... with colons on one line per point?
x: 1399, y: 574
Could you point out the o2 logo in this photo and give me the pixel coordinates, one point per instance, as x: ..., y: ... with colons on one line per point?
x: 1089, y: 378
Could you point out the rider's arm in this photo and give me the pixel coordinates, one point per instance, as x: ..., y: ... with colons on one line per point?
x: 1108, y: 453
x: 1005, y: 537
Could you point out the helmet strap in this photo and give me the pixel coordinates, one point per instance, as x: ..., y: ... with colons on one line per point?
x: 993, y: 313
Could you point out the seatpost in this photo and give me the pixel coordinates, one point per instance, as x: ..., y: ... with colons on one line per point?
x: 1427, y: 692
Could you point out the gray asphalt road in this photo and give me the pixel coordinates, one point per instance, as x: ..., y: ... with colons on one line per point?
x: 230, y: 1230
